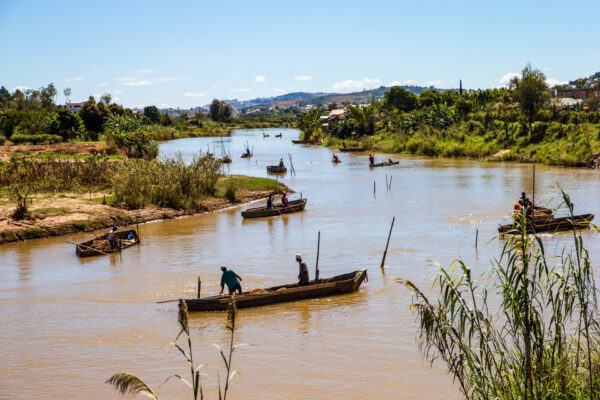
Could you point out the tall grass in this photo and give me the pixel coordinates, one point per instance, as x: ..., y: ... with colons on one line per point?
x: 536, y: 338
x: 130, y: 385
x: 169, y: 183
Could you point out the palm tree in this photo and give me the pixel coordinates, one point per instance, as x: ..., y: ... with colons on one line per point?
x: 363, y: 116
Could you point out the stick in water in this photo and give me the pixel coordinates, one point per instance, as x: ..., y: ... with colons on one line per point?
x: 317, y: 263
x: 388, y: 243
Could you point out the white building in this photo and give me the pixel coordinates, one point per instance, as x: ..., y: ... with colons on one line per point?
x: 75, y: 107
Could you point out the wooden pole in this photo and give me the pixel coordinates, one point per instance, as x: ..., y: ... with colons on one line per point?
x: 373, y: 188
x: 533, y: 195
x: 317, y: 263
x: 476, y: 237
x: 387, y: 186
x: 199, y: 286
x: 391, y: 177
x: 388, y: 243
x: 137, y: 224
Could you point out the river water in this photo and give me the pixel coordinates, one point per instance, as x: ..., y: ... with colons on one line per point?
x: 68, y: 324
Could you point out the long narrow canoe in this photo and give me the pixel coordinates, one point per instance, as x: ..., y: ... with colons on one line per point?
x: 553, y: 225
x: 276, y: 169
x: 305, y: 141
x: 384, y: 164
x: 278, y: 209
x: 349, y: 149
x: 340, y: 284
x: 101, y: 245
x: 246, y: 155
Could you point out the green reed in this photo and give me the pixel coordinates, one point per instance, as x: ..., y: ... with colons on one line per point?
x: 131, y: 385
x: 535, y: 337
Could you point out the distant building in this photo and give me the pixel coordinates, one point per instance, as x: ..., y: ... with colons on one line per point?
x: 581, y: 94
x: 334, y: 115
x: 75, y: 107
x: 565, y: 101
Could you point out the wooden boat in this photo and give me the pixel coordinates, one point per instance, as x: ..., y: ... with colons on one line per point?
x: 305, y: 141
x: 350, y: 149
x: 226, y: 160
x: 265, y: 135
x: 276, y: 169
x: 340, y: 284
x: 278, y: 209
x: 552, y: 225
x: 336, y: 162
x: 246, y: 155
x: 279, y: 135
x: 101, y: 245
x: 384, y: 164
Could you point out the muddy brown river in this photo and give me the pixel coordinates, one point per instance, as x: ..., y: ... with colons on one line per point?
x: 67, y: 324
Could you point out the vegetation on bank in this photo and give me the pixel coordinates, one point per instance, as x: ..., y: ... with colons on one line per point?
x: 523, y: 119
x: 528, y: 331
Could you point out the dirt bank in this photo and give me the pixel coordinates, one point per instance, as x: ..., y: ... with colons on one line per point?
x: 56, y: 215
x: 63, y: 148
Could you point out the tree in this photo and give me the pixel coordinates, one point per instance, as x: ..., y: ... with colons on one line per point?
x: 46, y: 96
x: 530, y: 91
x: 220, y: 111
x: 363, y: 117
x: 92, y: 118
x: 429, y: 97
x: 333, y: 106
x: 67, y: 93
x: 152, y: 113
x: 69, y: 124
x: 399, y: 99
x: 165, y: 120
x: 106, y: 98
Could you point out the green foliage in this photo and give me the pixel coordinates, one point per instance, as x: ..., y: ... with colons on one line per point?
x: 136, y: 144
x: 220, y: 111
x: 35, y: 139
x: 170, y: 183
x: 93, y: 118
x: 429, y: 97
x: 530, y: 91
x: 310, y: 123
x: 232, y: 185
x: 2, y: 140
x: 363, y: 117
x: 20, y: 195
x: 537, y: 340
x: 152, y: 113
x: 400, y: 99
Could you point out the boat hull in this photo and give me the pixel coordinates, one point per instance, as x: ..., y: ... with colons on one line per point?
x: 276, y: 169
x: 259, y: 212
x: 555, y: 225
x: 384, y: 164
x: 88, y: 248
x: 341, y: 284
x: 351, y: 149
x: 304, y: 142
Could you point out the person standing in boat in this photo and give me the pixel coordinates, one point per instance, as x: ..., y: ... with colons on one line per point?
x: 111, y: 237
x: 281, y: 164
x: 302, y: 271
x: 270, y: 201
x: 336, y: 159
x: 284, y: 200
x: 526, y: 204
x: 231, y: 279
x: 371, y: 160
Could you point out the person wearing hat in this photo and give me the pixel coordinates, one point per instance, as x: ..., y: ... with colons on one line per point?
x: 111, y: 237
x: 302, y: 271
x: 231, y: 279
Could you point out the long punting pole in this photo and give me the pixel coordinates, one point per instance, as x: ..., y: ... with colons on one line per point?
x: 317, y: 263
x: 388, y: 243
x: 199, y: 286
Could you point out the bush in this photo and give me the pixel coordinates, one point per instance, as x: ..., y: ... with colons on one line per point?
x: 2, y: 140
x: 35, y: 139
x: 136, y: 144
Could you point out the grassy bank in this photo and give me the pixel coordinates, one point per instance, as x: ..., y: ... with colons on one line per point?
x: 50, y: 198
x: 550, y: 143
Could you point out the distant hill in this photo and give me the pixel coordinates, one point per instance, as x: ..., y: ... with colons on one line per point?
x: 302, y: 99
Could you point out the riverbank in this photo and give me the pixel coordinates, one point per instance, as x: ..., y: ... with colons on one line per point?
x: 567, y: 145
x: 67, y: 213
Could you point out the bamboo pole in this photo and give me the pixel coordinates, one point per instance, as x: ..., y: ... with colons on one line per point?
x: 533, y: 195
x: 373, y: 188
x: 199, y: 286
x: 391, y: 177
x: 388, y: 243
x: 317, y: 263
x: 476, y: 237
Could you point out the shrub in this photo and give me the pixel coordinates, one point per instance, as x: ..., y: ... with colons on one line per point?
x: 2, y: 140
x: 136, y: 144
x: 35, y: 139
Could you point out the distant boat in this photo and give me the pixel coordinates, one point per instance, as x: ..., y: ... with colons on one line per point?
x: 279, y: 135
x: 278, y: 209
x: 350, y: 149
x: 276, y: 169
x: 346, y: 283
x: 551, y: 224
x: 305, y: 141
x: 384, y: 164
x: 247, y: 155
x: 226, y: 160
x: 101, y: 245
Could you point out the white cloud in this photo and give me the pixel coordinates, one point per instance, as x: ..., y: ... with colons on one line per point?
x: 21, y: 88
x: 260, y: 78
x: 117, y: 91
x: 553, y: 82
x: 103, y: 84
x: 433, y: 83
x: 394, y: 83
x: 348, y: 84
x: 507, y: 77
x: 303, y: 78
x: 409, y: 82
x: 240, y: 90
x: 76, y: 79
x: 138, y: 83
x: 143, y: 71
x: 194, y: 94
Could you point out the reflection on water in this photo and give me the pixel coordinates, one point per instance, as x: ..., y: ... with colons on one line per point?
x: 76, y: 322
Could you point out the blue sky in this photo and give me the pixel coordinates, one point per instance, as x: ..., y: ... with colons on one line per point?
x: 181, y: 54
